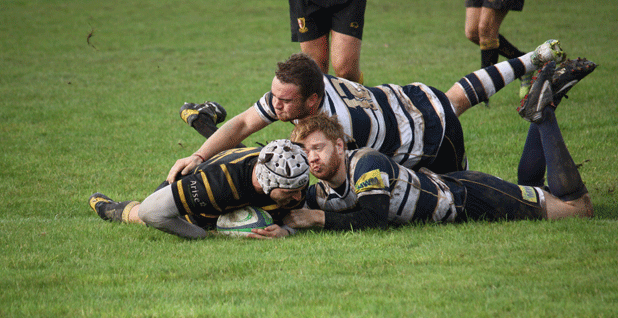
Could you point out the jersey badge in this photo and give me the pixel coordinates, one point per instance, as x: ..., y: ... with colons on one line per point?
x: 528, y: 194
x: 302, y: 27
x: 368, y: 181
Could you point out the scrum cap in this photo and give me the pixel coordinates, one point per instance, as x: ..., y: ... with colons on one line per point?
x: 282, y: 164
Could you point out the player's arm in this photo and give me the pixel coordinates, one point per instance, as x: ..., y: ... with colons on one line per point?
x: 226, y: 137
x: 372, y: 213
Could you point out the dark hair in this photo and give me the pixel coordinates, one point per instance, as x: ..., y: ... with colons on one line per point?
x: 301, y: 70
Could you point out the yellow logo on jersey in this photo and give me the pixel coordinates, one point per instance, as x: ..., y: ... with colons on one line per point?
x: 368, y: 181
x: 528, y: 194
x: 302, y: 28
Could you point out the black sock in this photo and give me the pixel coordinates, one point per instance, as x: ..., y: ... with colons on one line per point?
x: 531, y: 170
x: 507, y: 49
x: 489, y: 57
x: 563, y: 177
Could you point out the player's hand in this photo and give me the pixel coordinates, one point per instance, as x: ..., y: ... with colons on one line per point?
x: 304, y: 218
x: 269, y: 232
x: 183, y: 167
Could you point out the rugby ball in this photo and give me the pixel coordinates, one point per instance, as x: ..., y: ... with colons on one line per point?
x: 240, y: 222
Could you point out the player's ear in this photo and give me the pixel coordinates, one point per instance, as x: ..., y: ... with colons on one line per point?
x: 340, y: 145
x: 313, y: 99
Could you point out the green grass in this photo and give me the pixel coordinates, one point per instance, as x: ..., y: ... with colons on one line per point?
x: 78, y: 118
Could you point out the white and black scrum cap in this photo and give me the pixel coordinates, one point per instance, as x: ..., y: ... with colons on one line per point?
x: 282, y: 164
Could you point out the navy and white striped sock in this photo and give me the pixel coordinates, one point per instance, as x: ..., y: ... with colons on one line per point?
x: 484, y: 83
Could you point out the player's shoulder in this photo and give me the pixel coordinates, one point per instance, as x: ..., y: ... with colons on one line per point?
x: 235, y: 155
x: 363, y: 160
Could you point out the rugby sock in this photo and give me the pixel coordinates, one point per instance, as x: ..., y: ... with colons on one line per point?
x: 489, y: 53
x: 563, y: 178
x: 507, y: 49
x: 484, y: 83
x: 489, y: 57
x: 206, y: 128
x: 117, y: 212
x: 531, y: 170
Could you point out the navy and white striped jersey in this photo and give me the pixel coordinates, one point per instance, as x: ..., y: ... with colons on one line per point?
x: 422, y: 195
x: 406, y: 123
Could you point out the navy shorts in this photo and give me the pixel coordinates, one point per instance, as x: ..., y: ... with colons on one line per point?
x: 490, y: 198
x: 508, y: 5
x: 310, y: 20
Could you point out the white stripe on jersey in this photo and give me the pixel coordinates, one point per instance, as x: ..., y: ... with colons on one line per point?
x: 359, y: 111
x: 377, y: 130
x: 404, y: 196
x: 405, y: 127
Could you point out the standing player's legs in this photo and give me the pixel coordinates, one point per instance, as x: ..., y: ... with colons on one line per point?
x: 318, y: 50
x: 347, y: 24
x: 489, y: 26
x: 310, y: 25
x: 473, y: 15
x: 345, y: 56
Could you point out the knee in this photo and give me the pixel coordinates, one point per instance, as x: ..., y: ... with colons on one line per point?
x: 147, y: 214
x: 486, y: 32
x: 472, y: 34
x: 349, y: 71
x: 153, y: 212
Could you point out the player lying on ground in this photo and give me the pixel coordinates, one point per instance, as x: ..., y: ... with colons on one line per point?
x: 365, y: 189
x: 274, y: 178
x: 417, y: 125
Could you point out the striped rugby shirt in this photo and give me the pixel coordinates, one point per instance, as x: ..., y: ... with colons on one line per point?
x: 406, y: 123
x: 421, y: 196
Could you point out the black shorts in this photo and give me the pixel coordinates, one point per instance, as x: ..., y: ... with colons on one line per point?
x: 493, y: 199
x: 310, y: 20
x: 508, y: 5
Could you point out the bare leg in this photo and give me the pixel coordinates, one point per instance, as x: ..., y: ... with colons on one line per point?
x: 489, y: 25
x: 558, y: 209
x: 318, y: 50
x: 473, y: 16
x: 345, y: 56
x: 134, y: 215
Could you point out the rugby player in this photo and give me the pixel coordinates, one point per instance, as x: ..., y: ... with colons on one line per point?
x: 365, y: 189
x: 314, y: 22
x: 417, y: 125
x: 274, y: 178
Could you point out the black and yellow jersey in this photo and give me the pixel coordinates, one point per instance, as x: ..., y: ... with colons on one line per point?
x: 221, y: 185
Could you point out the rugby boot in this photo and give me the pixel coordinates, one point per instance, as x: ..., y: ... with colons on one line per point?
x: 110, y: 210
x: 569, y: 73
x: 210, y: 112
x: 547, y: 52
x: 540, y: 95
x: 526, y: 82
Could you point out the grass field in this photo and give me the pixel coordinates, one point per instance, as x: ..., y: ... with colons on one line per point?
x: 90, y: 97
